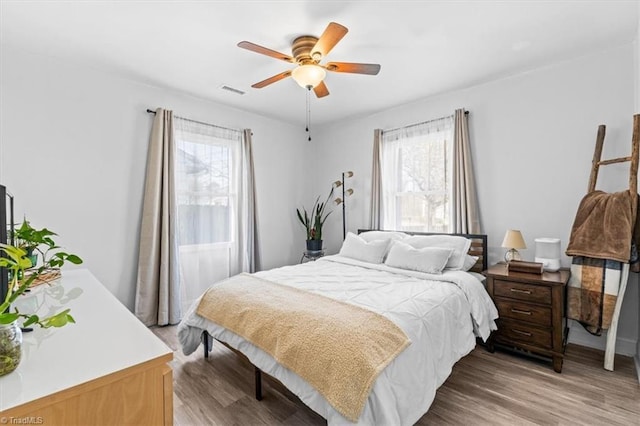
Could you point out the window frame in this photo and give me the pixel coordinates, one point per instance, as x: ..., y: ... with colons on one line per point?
x: 233, y: 158
x: 440, y: 130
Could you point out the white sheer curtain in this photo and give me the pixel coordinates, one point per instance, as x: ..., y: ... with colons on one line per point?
x: 216, y: 205
x: 415, y: 175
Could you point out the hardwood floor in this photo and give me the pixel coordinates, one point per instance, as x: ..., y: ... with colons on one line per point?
x: 483, y: 389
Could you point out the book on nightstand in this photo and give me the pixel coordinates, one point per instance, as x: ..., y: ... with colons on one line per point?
x: 528, y: 267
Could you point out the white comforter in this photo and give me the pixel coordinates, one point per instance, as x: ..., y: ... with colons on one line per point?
x: 439, y: 314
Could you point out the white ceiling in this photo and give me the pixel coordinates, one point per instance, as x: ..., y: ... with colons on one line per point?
x: 424, y: 47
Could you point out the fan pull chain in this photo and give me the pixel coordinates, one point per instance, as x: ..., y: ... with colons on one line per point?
x: 308, y: 112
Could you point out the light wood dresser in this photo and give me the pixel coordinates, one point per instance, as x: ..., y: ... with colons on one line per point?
x: 532, y: 311
x: 107, y: 369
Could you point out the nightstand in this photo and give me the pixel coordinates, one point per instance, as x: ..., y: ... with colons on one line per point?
x: 311, y: 255
x: 532, y: 311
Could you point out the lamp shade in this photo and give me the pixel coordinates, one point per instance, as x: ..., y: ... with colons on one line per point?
x: 513, y: 240
x: 308, y: 75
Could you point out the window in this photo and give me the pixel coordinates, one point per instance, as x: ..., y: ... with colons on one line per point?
x: 206, y: 183
x: 208, y: 177
x: 416, y: 165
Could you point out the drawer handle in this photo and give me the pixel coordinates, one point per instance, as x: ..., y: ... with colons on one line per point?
x: 524, y: 333
x: 518, y: 311
x: 517, y: 290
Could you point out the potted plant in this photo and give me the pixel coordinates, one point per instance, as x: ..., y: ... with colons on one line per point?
x: 28, y: 238
x: 314, y: 222
x: 22, y: 275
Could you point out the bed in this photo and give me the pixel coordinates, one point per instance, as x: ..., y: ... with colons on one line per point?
x: 441, y: 313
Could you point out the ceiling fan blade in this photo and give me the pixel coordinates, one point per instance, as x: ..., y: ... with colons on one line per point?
x: 270, y: 80
x: 263, y: 50
x: 321, y: 90
x: 329, y: 38
x: 371, y: 69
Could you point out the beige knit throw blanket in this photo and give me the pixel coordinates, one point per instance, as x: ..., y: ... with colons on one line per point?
x: 338, y: 348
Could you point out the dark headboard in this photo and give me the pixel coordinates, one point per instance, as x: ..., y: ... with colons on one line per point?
x: 6, y: 221
x: 478, y: 246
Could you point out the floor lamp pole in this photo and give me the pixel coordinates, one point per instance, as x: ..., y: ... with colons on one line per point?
x: 344, y: 223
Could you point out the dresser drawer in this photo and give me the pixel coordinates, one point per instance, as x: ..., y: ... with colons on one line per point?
x: 527, y: 292
x: 516, y: 331
x: 524, y: 311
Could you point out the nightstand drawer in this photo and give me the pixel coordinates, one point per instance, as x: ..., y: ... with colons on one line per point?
x: 520, y: 291
x: 523, y: 311
x: 517, y: 331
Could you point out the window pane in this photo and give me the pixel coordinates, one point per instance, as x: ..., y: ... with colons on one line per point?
x: 422, y: 203
x: 416, y: 177
x: 424, y: 165
x: 202, y: 168
x: 203, y: 192
x: 421, y: 212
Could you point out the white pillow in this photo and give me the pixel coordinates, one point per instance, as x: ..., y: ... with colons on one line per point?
x: 480, y: 277
x: 359, y: 249
x: 428, y: 259
x: 460, y: 246
x: 469, y: 262
x: 382, y: 235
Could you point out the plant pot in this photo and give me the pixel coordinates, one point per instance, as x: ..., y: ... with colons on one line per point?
x: 33, y: 258
x: 10, y: 347
x: 314, y: 245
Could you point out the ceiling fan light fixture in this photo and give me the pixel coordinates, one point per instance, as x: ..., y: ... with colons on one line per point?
x: 308, y: 75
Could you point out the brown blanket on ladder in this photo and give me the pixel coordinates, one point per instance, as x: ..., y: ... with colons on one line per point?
x: 338, y: 348
x: 604, y: 227
x: 602, y: 237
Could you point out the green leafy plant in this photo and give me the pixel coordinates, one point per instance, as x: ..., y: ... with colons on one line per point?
x: 314, y: 222
x: 33, y: 240
x: 23, y: 272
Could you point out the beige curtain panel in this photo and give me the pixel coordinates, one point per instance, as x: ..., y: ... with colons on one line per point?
x: 253, y: 247
x: 376, y: 190
x: 157, y: 299
x: 466, y: 213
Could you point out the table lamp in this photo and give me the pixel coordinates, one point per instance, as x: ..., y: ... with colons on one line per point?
x: 513, y: 240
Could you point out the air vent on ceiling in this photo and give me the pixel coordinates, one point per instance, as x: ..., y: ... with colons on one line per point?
x: 231, y: 89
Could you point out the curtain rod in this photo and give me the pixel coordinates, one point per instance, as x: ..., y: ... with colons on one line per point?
x: 423, y: 122
x: 150, y: 111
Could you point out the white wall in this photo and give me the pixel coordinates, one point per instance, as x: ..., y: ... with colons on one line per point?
x: 73, y: 144
x: 637, y: 65
x: 533, y: 137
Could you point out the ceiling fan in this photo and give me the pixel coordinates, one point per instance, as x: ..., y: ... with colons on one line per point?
x: 308, y: 51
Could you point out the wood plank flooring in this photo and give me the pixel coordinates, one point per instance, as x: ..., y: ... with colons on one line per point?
x: 483, y: 389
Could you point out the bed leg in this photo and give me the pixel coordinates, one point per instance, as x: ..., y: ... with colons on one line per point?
x: 490, y: 346
x: 205, y: 343
x: 258, y: 384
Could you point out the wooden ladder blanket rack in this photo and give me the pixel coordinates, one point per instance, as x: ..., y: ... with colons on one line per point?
x: 633, y: 188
